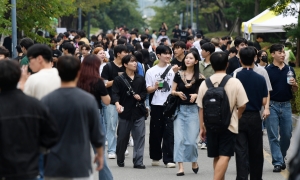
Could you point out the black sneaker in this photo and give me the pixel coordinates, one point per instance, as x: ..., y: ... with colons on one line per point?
x: 277, y: 168
x: 121, y: 164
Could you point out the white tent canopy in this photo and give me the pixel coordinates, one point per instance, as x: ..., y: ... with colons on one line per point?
x: 269, y: 22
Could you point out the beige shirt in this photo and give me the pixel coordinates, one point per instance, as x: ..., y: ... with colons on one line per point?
x: 42, y: 83
x: 236, y: 95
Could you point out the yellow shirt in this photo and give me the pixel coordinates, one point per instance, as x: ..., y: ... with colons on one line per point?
x: 236, y: 95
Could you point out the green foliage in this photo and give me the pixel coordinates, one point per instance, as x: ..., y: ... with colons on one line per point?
x: 296, y: 100
x: 4, y: 22
x: 116, y: 13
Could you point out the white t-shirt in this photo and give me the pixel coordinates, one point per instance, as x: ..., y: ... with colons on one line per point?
x: 42, y: 83
x: 101, y: 67
x: 152, y: 75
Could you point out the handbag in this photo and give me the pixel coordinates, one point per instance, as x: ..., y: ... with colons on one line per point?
x: 138, y: 104
x: 170, y: 106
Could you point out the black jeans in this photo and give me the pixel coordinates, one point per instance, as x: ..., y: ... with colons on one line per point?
x: 249, y: 141
x: 161, y: 129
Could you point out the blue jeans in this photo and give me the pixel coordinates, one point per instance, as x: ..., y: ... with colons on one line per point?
x: 111, y: 121
x: 41, y: 167
x: 105, y: 172
x: 280, y: 119
x: 186, y: 130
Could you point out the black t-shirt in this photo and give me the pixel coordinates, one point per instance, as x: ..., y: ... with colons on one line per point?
x: 255, y: 87
x: 56, y: 53
x: 176, y: 62
x: 176, y: 33
x: 109, y: 73
x: 184, y: 35
x: 223, y: 47
x: 98, y: 90
x: 187, y: 91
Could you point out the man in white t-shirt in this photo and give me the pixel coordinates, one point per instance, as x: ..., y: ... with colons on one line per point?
x: 44, y: 80
x: 160, y: 128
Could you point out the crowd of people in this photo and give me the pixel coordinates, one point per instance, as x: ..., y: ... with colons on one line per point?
x: 71, y: 98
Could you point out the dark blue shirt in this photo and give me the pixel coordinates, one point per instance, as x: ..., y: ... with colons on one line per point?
x: 255, y: 87
x: 282, y: 91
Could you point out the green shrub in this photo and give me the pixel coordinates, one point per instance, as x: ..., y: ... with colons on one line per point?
x: 296, y: 100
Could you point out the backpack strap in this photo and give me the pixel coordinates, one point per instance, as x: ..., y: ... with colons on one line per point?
x: 224, y: 81
x: 166, y: 71
x: 110, y: 69
x: 208, y: 82
x: 127, y: 84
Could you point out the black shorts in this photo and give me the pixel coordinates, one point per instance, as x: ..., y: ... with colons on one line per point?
x: 220, y: 144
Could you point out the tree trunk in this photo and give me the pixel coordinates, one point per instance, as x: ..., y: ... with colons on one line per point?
x: 256, y: 10
x: 220, y: 22
x: 69, y: 22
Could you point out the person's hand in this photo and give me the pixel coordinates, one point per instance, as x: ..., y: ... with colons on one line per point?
x: 156, y: 85
x: 202, y: 133
x: 202, y: 76
x: 266, y: 113
x: 119, y: 108
x: 176, y: 68
x: 193, y: 97
x: 181, y: 95
x: 24, y: 74
x: 292, y: 82
x: 137, y: 97
x: 55, y: 59
x: 100, y: 161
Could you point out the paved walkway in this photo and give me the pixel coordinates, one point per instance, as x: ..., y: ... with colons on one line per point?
x: 205, y: 167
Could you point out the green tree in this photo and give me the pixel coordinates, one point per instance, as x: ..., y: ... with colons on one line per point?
x: 36, y: 15
x: 118, y: 12
x: 293, y: 30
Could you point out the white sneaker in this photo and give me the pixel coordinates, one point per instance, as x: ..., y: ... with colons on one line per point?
x: 203, y: 146
x: 131, y: 142
x: 155, y: 163
x: 126, y: 153
x: 171, y: 165
x: 112, y: 156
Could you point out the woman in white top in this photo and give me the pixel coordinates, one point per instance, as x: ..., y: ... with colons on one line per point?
x: 99, y: 51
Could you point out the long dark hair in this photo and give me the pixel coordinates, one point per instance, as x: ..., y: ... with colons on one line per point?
x: 259, y: 55
x: 139, y: 56
x: 196, y: 66
x: 89, y: 74
x: 146, y: 55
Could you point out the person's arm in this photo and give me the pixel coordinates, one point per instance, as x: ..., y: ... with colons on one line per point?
x: 49, y: 134
x: 106, y: 99
x: 241, y: 109
x: 264, y: 101
x: 166, y: 27
x: 202, y: 126
x: 173, y: 32
x: 149, y: 84
x: 293, y: 82
x: 266, y: 111
x: 99, y: 158
x: 105, y: 75
x: 24, y: 77
x: 143, y: 93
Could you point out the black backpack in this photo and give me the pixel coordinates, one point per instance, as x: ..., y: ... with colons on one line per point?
x: 152, y: 58
x: 216, y: 107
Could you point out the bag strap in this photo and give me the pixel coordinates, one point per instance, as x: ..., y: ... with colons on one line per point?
x: 110, y: 69
x: 166, y: 71
x: 234, y: 74
x: 127, y: 84
x: 208, y: 82
x: 224, y: 81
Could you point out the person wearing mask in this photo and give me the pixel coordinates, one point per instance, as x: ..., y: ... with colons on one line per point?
x: 262, y: 59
